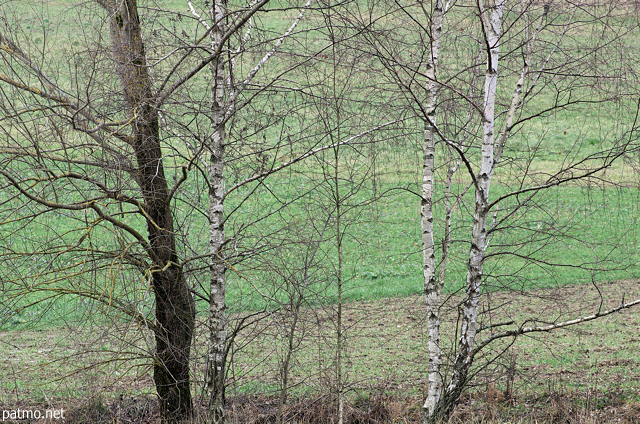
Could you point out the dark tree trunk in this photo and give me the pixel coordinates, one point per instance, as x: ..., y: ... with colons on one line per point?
x: 175, y: 310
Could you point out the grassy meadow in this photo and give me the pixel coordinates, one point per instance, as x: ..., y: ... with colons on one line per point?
x: 565, y: 252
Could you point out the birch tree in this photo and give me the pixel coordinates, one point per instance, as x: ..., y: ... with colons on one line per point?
x: 217, y: 320
x: 197, y: 93
x: 452, y: 72
x: 492, y: 25
x: 432, y: 288
x: 93, y: 174
x: 224, y: 94
x: 491, y: 19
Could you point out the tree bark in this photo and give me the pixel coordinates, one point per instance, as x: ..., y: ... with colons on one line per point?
x: 464, y: 357
x: 431, y: 287
x: 175, y: 309
x: 217, y: 306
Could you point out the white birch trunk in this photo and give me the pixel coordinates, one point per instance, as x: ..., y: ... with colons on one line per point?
x: 448, y: 400
x: 431, y: 286
x: 217, y: 313
x: 479, y: 233
x: 518, y: 90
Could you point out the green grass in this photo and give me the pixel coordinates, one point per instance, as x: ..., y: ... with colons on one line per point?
x: 591, y: 366
x: 570, y: 227
x: 555, y: 244
x: 567, y: 226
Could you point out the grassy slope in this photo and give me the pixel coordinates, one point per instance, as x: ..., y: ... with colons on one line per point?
x: 592, y: 368
x: 384, y: 275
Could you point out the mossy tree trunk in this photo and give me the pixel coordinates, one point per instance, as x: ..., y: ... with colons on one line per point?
x: 174, y: 304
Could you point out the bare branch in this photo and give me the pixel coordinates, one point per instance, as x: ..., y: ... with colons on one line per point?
x: 311, y: 153
x: 550, y: 327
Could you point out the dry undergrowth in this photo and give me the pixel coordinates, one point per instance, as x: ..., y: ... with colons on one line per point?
x: 588, y: 374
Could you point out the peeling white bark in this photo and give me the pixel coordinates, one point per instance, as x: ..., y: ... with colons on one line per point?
x: 431, y: 287
x: 217, y: 307
x: 492, y: 29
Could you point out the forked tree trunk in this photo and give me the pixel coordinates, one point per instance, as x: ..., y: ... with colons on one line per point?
x: 431, y: 286
x: 217, y: 306
x: 175, y: 311
x: 464, y: 356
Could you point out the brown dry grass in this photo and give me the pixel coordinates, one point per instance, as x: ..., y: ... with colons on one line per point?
x: 585, y: 374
